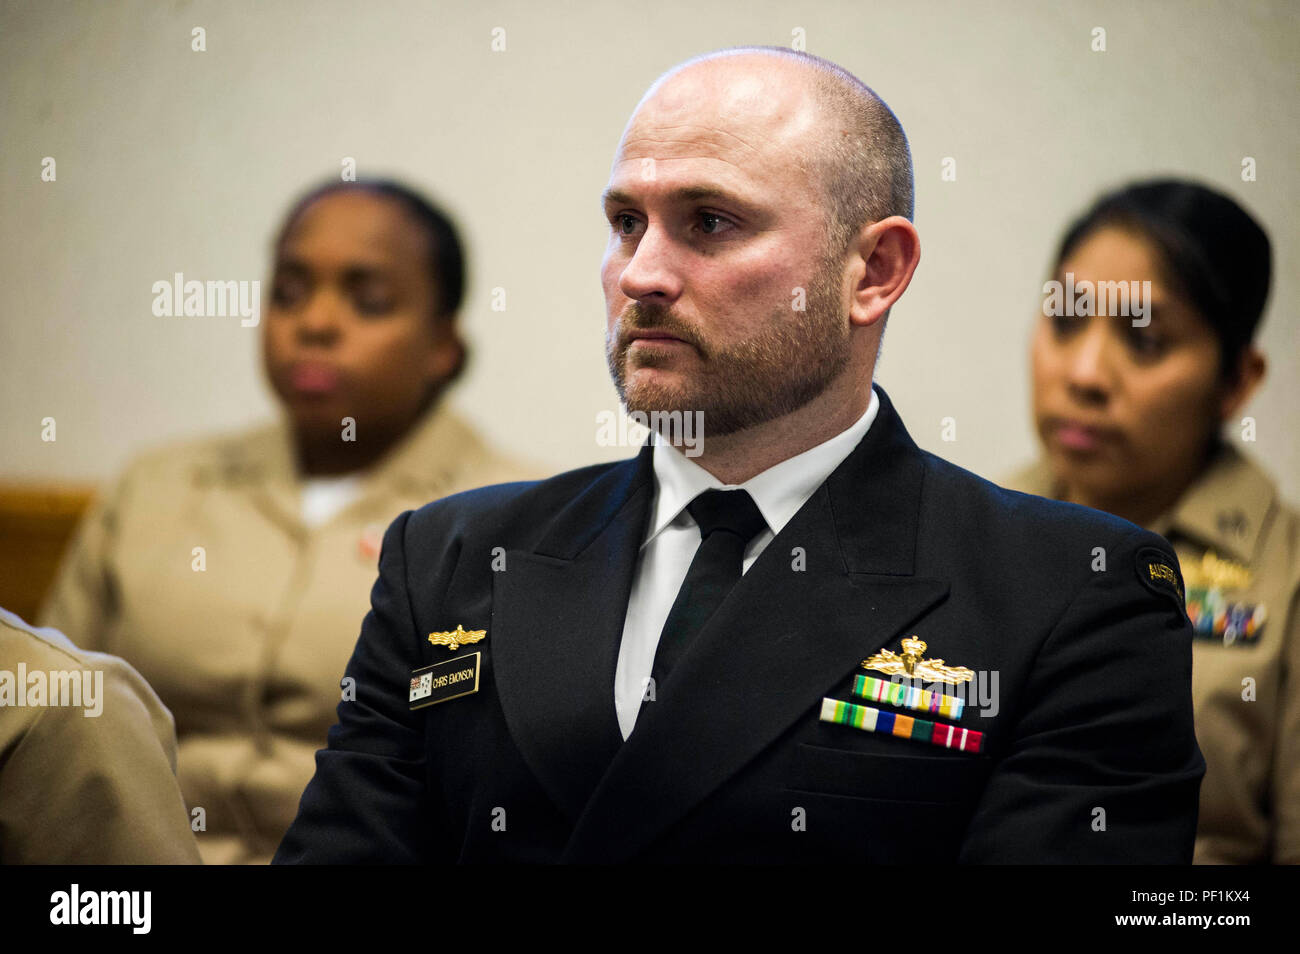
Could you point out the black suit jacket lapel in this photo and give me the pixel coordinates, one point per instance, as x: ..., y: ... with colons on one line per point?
x: 779, y: 642
x: 558, y: 615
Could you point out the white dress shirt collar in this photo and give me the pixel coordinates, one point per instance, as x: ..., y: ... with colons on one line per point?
x: 778, y: 492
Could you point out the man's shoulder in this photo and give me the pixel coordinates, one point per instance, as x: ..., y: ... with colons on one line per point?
x: 1003, y: 533
x: 1001, y: 511
x: 1032, y: 478
x: 519, y: 506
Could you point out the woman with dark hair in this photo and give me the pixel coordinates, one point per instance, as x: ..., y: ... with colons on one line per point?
x: 1139, y: 382
x: 234, y: 572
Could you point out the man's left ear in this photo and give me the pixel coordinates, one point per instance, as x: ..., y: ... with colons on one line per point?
x: 886, y: 254
x: 1243, y: 383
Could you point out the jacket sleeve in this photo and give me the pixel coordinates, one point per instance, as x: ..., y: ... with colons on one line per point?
x: 1103, y: 765
x: 368, y: 802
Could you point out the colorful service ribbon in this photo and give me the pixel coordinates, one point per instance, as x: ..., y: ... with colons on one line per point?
x: 1215, y: 616
x: 905, y: 727
x: 908, y: 697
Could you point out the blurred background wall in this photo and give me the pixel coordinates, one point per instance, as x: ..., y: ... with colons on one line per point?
x: 171, y: 160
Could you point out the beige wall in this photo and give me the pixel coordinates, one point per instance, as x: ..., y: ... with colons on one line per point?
x: 170, y: 160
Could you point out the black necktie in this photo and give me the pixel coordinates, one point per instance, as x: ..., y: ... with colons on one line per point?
x: 728, y: 520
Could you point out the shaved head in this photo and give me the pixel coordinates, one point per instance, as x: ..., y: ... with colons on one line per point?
x: 855, y: 148
x: 759, y: 210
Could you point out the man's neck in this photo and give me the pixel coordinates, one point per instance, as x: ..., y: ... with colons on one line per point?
x: 735, y: 458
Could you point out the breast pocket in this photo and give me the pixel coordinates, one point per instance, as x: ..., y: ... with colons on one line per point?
x: 902, y: 777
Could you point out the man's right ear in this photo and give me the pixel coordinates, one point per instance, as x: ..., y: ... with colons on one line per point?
x: 885, y: 255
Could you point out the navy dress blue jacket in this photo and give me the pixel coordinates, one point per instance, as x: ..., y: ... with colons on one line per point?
x: 1088, y: 751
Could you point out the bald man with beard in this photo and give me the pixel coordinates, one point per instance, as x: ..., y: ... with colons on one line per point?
x: 804, y: 641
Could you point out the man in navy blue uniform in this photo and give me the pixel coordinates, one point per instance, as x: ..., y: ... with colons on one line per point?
x: 800, y: 638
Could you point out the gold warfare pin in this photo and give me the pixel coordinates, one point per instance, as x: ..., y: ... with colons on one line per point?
x: 913, y: 665
x: 459, y: 637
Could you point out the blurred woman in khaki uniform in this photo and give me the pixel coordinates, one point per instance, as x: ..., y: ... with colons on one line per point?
x: 1144, y: 420
x: 234, y: 572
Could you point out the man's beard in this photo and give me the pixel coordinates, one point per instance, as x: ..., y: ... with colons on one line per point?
x: 790, y: 362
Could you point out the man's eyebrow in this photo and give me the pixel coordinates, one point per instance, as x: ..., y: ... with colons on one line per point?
x: 684, y: 194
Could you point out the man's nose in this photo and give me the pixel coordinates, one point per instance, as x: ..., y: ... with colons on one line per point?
x: 653, y: 272
x: 1089, y: 363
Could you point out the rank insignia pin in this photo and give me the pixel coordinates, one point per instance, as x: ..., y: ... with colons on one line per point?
x: 912, y: 665
x: 457, y: 638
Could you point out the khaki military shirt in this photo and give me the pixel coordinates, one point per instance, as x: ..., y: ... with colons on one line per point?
x: 198, y: 569
x: 1239, y: 548
x: 87, y: 758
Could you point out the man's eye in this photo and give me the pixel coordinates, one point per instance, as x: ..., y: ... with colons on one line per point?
x: 711, y: 223
x: 624, y: 224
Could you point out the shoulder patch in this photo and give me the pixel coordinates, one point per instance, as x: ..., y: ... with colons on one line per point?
x: 1159, y: 573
